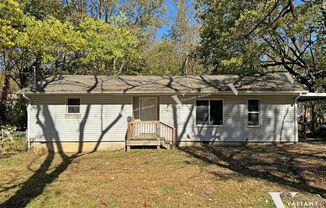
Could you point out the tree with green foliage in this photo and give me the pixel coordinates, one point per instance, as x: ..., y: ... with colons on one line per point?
x: 108, y: 44
x: 60, y: 46
x: 92, y: 46
x: 142, y: 15
x: 161, y: 59
x: 41, y: 9
x: 10, y: 20
x: 184, y: 36
x: 244, y: 37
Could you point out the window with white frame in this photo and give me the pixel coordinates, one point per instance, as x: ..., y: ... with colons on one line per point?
x: 209, y: 112
x: 253, y: 112
x: 73, y: 105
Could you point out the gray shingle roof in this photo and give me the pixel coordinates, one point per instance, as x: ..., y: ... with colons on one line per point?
x: 163, y: 84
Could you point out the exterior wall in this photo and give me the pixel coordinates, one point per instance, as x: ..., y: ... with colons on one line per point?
x: 277, y: 120
x: 102, y: 118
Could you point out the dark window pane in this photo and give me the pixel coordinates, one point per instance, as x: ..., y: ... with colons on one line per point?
x: 73, y: 101
x: 201, y: 111
x: 73, y: 109
x: 253, y: 119
x: 216, y: 112
x: 253, y: 105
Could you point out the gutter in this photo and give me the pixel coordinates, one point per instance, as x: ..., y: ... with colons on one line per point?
x: 28, y: 121
x: 168, y: 93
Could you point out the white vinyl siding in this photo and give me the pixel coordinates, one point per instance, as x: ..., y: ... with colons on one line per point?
x: 276, y: 119
x: 101, y: 117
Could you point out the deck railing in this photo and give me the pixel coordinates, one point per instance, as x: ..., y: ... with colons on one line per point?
x: 151, y: 130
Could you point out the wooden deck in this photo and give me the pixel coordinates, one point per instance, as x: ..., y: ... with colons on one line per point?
x: 150, y: 133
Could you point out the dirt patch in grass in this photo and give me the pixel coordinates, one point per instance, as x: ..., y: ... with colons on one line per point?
x: 190, y: 177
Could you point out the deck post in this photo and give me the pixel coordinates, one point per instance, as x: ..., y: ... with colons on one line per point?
x: 174, y: 138
x: 305, y: 131
x: 128, y: 136
x: 129, y: 131
x: 158, y: 130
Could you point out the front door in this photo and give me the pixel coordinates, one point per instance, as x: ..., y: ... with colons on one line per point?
x: 148, y: 109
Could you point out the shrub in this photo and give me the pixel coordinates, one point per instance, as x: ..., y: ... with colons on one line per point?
x: 12, y: 145
x: 19, y: 114
x: 14, y: 113
x: 15, y: 144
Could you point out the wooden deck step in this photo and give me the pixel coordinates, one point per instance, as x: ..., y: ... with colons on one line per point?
x: 143, y: 138
x: 149, y: 142
x: 166, y: 144
x: 143, y: 142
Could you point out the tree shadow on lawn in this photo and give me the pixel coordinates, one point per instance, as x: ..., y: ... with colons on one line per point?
x: 35, y: 184
x: 285, y: 165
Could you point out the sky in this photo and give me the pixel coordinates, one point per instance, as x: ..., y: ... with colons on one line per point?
x: 171, y: 14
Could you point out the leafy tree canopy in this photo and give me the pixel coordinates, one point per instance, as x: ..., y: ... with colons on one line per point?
x: 10, y: 20
x: 253, y: 36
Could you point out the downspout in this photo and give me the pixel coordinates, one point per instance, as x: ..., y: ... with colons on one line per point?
x: 296, y: 139
x: 28, y: 121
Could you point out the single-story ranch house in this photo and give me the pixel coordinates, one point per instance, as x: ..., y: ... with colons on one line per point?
x: 85, y: 113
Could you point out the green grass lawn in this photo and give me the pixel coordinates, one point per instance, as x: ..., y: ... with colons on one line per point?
x: 190, y: 177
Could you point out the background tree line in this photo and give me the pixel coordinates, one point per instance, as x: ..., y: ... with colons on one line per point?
x: 109, y: 37
x: 115, y: 37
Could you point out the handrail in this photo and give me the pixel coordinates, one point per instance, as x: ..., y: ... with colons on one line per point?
x: 166, y: 125
x: 151, y: 130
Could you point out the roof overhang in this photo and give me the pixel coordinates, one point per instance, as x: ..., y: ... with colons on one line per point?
x: 311, y: 96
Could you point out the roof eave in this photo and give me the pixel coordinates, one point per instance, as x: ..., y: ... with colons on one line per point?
x: 311, y: 96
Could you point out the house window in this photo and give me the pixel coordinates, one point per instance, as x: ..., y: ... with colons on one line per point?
x: 209, y: 112
x: 202, y: 112
x: 73, y: 105
x: 253, y: 112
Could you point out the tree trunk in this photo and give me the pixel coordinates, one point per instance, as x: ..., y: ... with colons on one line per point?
x: 114, y: 64
x: 6, y: 80
x: 5, y: 89
x: 121, y: 68
x: 184, y: 65
x: 100, y: 9
x: 6, y: 86
x: 313, y: 119
x: 305, y: 121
